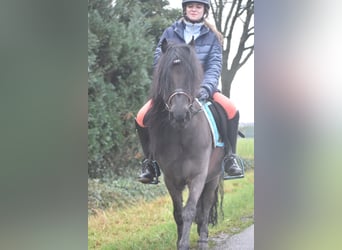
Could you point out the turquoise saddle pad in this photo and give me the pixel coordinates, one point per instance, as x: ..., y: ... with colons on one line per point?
x: 217, y: 140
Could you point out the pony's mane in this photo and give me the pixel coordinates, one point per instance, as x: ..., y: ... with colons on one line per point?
x: 177, y: 61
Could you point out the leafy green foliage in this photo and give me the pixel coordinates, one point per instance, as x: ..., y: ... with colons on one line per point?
x: 121, y: 41
x: 122, y: 192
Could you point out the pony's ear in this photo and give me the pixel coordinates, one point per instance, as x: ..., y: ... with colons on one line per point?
x: 164, y: 45
x: 192, y: 42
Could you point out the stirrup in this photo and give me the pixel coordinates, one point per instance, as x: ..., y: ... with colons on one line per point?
x: 151, y: 166
x: 226, y: 176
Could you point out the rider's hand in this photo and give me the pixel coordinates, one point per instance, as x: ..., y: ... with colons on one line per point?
x: 203, y: 94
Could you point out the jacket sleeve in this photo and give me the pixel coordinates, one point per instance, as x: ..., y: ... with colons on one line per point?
x: 157, y: 52
x: 212, y: 68
x: 166, y: 34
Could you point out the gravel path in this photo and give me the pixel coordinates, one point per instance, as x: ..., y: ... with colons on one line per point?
x: 240, y: 241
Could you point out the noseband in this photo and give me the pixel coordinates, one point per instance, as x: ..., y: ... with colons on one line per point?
x: 178, y: 92
x: 191, y: 101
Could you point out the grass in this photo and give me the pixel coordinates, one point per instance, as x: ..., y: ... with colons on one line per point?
x: 245, y: 148
x: 150, y: 224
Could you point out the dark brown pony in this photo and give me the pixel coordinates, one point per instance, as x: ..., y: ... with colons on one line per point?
x: 181, y: 142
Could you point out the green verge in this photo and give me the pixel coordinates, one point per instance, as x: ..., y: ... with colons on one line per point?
x: 149, y: 224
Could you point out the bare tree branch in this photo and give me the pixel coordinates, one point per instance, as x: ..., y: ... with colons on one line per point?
x: 231, y: 18
x: 251, y: 51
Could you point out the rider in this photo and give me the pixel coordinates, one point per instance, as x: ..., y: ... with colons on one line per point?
x: 208, y: 45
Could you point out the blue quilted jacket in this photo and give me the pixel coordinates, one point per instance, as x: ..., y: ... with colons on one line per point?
x: 208, y: 49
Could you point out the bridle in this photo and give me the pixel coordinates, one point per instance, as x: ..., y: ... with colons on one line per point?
x: 191, y: 101
x: 178, y: 92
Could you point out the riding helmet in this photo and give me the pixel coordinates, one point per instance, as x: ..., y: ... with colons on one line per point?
x: 205, y: 2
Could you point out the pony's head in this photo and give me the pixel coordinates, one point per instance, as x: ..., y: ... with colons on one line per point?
x: 176, y: 82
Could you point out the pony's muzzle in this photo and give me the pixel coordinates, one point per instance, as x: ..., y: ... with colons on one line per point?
x: 179, y: 106
x: 180, y: 116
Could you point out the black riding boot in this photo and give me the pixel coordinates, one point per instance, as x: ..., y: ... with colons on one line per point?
x: 150, y: 169
x: 231, y: 166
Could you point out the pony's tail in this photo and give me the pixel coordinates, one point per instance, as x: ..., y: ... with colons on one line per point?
x: 218, y: 202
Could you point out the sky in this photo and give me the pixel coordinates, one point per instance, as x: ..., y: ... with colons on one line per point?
x: 242, y: 89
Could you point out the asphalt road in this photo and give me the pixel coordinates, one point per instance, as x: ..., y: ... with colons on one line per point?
x: 240, y: 241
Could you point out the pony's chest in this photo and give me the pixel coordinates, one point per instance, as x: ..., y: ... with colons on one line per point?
x: 186, y: 141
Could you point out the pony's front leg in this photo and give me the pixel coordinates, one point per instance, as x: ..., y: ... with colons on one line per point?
x: 177, y: 201
x: 177, y: 215
x: 189, y: 211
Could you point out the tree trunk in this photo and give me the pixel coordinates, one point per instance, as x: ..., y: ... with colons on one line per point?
x: 227, y: 75
x: 227, y: 79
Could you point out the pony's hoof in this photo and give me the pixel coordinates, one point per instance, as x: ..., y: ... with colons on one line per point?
x: 202, y: 244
